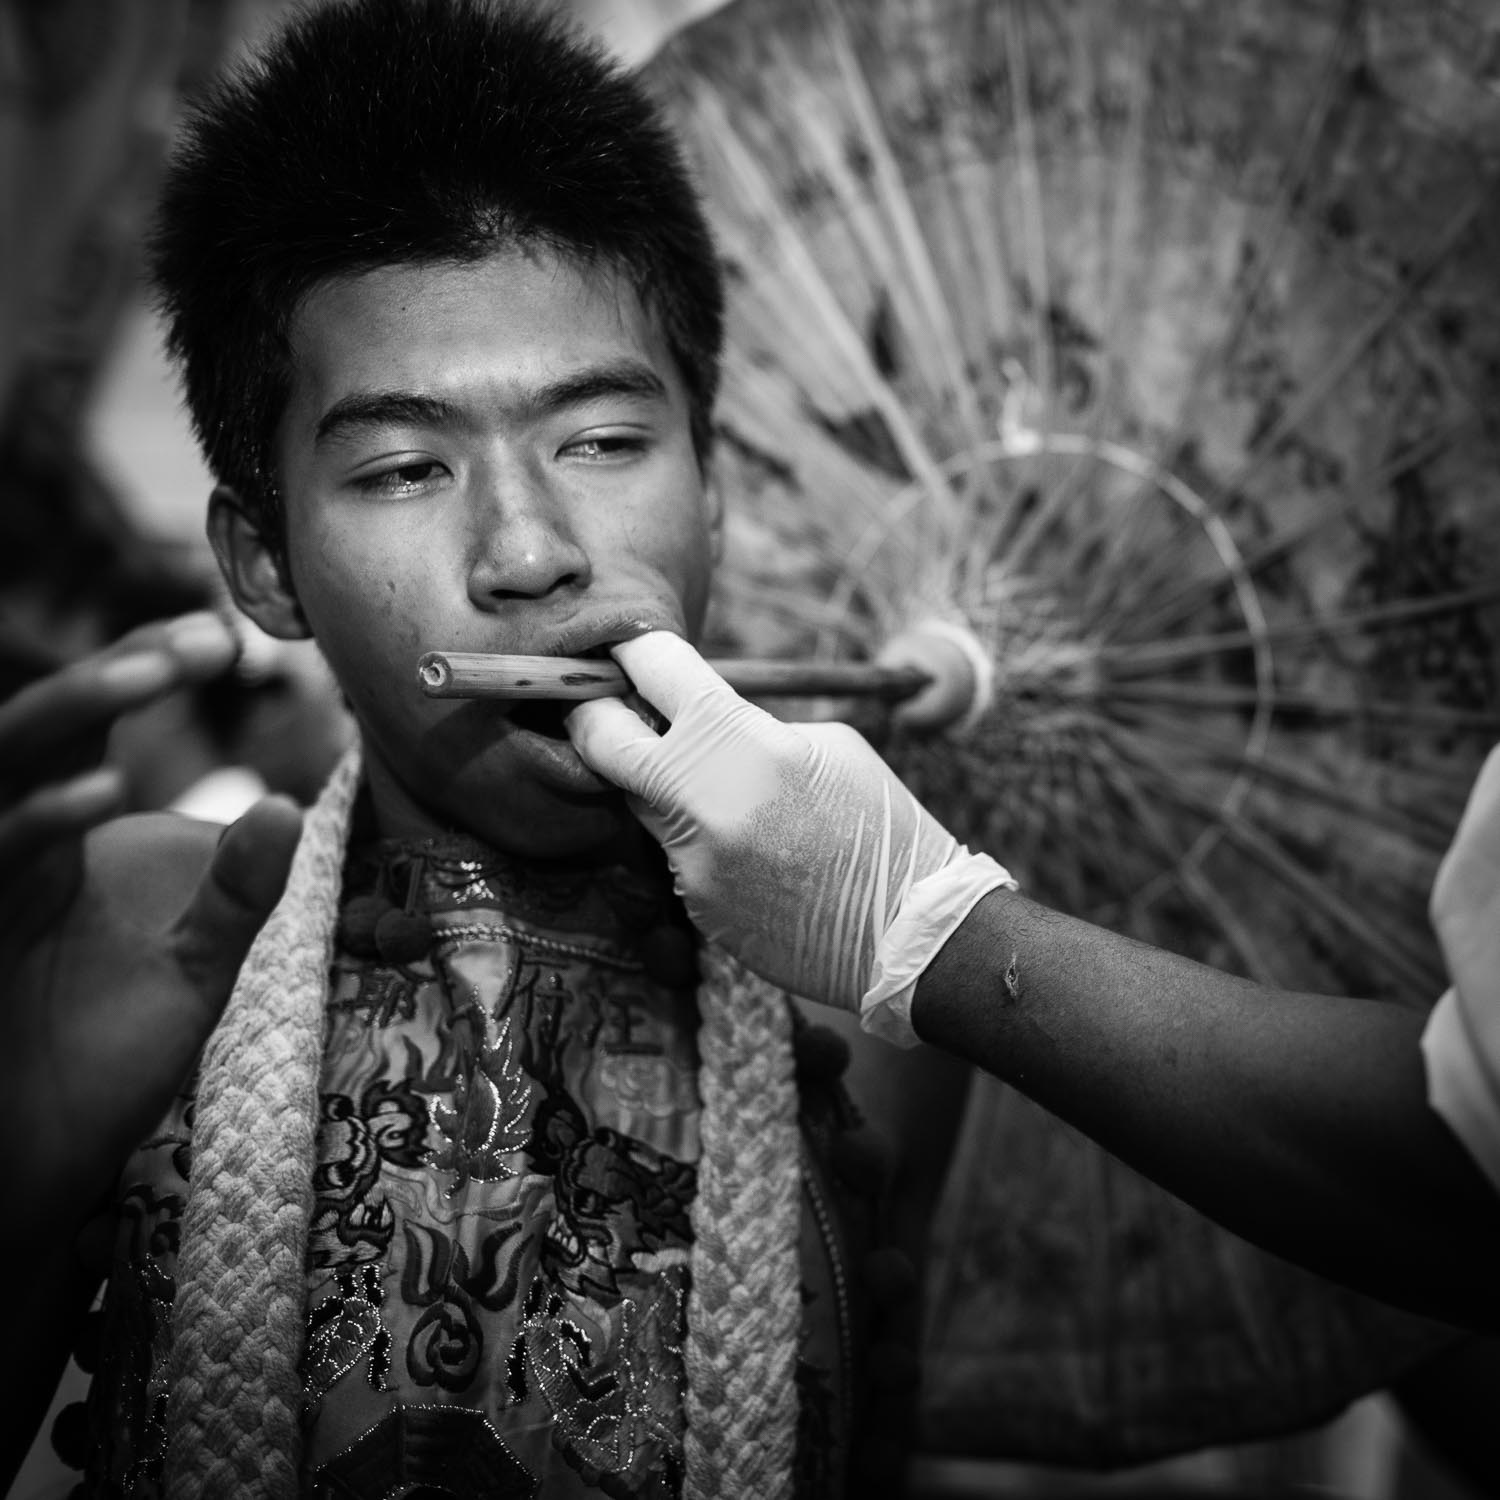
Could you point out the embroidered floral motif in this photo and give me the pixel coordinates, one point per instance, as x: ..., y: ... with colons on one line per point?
x: 499, y: 1242
x: 344, y: 1328
x: 396, y: 1114
x: 349, y: 1222
x: 487, y: 1122
x: 616, y: 1202
x: 610, y: 1411
x: 133, y: 1372
x: 447, y: 1340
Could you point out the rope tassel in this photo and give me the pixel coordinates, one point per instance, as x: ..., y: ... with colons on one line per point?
x: 744, y: 1307
x: 239, y: 1320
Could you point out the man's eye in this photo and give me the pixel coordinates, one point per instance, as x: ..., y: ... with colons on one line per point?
x: 404, y: 479
x: 618, y: 445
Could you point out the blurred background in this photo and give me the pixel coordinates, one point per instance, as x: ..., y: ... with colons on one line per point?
x: 103, y: 522
x: 101, y: 529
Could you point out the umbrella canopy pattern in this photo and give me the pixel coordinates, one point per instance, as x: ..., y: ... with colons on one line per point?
x: 1158, y: 342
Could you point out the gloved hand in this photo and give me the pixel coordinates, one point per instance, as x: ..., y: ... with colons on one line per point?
x: 1461, y: 1042
x: 793, y: 846
x: 1465, y: 905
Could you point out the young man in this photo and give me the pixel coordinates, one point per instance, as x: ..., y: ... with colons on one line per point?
x: 428, y: 1213
x: 449, y: 321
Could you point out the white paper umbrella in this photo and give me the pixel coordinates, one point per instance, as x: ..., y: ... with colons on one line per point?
x: 1158, y: 343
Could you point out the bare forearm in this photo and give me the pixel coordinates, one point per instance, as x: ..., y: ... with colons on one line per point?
x: 1298, y: 1121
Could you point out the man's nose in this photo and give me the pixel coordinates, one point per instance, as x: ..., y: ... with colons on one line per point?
x: 524, y: 543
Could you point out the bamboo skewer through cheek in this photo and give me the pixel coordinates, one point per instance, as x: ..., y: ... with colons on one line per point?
x: 468, y: 674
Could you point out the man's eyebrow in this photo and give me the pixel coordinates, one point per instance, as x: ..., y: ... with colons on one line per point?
x: 386, y: 409
x: 627, y: 377
x: 412, y: 408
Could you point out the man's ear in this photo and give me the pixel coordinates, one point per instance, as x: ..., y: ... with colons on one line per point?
x: 254, y: 571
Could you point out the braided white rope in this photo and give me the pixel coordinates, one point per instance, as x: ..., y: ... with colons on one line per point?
x: 744, y: 1307
x: 238, y: 1323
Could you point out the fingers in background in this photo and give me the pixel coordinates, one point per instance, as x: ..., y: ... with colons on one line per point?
x: 201, y: 644
x: 24, y: 659
x: 60, y: 811
x: 242, y: 884
x: 57, y: 725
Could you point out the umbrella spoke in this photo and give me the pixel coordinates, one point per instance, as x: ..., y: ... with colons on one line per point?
x: 1149, y: 656
x: 1409, y: 966
x: 1338, y: 365
x: 1184, y: 872
x: 1287, y: 773
x: 915, y: 276
x: 1355, y: 493
x: 1215, y: 695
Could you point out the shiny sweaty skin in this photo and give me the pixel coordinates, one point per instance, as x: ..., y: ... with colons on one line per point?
x: 494, y: 457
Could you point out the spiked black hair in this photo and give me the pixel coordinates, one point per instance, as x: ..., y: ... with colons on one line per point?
x: 371, y: 133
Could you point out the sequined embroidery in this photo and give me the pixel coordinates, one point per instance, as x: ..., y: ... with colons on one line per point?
x: 499, y: 1244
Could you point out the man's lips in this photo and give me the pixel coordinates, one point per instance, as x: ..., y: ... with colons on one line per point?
x: 479, y: 729
x: 594, y: 637
x: 554, y: 759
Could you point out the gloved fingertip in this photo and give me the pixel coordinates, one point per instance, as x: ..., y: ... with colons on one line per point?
x: 609, y: 736
x: 666, y: 670
x: 637, y: 628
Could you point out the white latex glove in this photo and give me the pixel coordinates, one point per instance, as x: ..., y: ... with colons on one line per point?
x: 1465, y: 905
x: 793, y: 846
x: 1461, y: 1045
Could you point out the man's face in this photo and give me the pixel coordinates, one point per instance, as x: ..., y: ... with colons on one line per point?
x: 487, y: 457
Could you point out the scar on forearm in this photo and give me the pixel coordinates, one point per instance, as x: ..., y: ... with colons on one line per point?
x: 1012, y: 977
